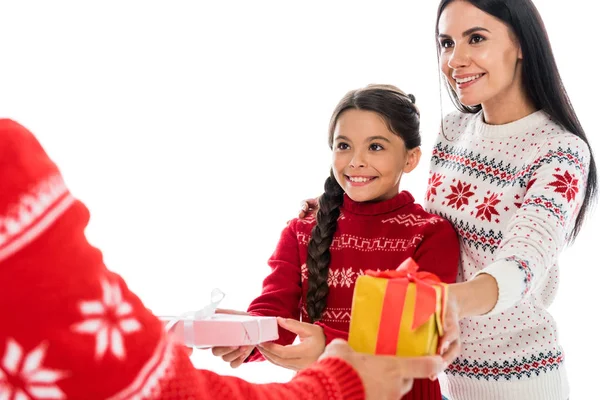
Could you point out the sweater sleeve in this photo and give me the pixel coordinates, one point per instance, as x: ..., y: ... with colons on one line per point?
x: 539, y: 230
x: 327, y: 379
x: 331, y: 333
x: 282, y: 288
x: 439, y: 251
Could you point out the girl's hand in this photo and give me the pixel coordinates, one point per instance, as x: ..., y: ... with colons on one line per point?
x: 296, y: 356
x: 236, y: 355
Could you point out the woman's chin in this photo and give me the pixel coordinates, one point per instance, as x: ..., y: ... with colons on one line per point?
x: 469, y: 102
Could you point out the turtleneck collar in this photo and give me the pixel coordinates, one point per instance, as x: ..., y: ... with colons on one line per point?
x: 379, y: 207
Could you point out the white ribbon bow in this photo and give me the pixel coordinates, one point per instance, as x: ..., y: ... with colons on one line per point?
x: 188, y: 318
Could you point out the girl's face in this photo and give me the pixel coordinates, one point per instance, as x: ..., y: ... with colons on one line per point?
x: 479, y: 55
x: 369, y: 159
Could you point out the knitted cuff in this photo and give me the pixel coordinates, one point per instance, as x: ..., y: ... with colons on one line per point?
x: 512, y: 282
x: 331, y: 334
x: 341, y: 377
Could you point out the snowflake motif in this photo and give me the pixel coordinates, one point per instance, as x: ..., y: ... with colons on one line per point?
x: 341, y: 277
x: 460, y: 195
x: 487, y: 208
x: 22, y: 377
x: 565, y: 185
x: 108, y: 320
x: 434, y: 181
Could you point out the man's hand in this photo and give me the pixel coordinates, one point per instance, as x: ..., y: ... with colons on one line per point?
x: 385, y: 377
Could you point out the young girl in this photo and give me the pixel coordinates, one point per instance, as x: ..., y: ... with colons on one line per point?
x: 364, y: 222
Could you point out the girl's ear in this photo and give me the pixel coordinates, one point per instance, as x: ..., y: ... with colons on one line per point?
x: 414, y: 155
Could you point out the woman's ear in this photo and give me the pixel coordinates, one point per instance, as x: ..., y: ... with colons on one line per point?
x: 414, y: 155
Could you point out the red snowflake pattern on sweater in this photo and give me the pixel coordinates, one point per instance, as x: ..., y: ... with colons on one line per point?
x: 486, y: 209
x: 566, y: 185
x: 527, y: 181
x: 434, y: 182
x: 460, y: 195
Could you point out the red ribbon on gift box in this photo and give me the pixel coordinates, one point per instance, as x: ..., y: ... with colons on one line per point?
x: 393, y: 302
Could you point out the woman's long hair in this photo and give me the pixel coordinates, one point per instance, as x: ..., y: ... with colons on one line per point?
x: 541, y: 78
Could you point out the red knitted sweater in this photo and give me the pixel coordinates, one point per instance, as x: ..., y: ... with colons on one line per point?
x: 71, y: 329
x: 369, y: 236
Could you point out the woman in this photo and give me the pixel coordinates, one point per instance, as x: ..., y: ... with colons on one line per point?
x: 513, y: 171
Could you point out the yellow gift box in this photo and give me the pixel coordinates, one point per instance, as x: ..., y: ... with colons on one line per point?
x: 397, y: 312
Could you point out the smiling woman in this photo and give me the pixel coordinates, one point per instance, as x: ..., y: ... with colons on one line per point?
x: 482, y: 61
x: 520, y: 176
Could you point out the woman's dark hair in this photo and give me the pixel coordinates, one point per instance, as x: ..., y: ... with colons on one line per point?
x: 541, y: 78
x: 401, y: 115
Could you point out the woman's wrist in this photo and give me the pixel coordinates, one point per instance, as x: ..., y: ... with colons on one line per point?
x: 477, y: 296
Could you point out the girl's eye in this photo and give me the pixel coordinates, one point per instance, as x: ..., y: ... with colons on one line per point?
x: 476, y: 39
x: 375, y: 147
x: 342, y: 146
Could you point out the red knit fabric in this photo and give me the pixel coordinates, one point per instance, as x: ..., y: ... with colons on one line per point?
x: 369, y: 236
x: 71, y: 329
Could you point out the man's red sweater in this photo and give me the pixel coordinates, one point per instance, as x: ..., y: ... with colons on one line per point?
x: 72, y: 329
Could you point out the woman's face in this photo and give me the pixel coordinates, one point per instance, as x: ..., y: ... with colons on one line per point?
x: 479, y: 56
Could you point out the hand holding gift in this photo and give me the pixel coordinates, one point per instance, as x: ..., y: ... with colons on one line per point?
x: 296, y: 356
x: 234, y: 355
x: 398, y: 312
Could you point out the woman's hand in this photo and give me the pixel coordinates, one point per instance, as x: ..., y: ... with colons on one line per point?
x: 296, y: 356
x: 449, y: 344
x: 466, y: 299
x: 307, y: 207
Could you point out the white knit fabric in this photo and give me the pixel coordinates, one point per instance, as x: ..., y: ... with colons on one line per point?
x: 512, y: 192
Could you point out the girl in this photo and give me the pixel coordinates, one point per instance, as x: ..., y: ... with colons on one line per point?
x: 364, y: 222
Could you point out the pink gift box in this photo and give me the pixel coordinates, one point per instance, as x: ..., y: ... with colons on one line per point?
x: 225, y: 330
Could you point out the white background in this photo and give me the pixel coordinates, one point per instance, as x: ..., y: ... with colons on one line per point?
x: 193, y: 129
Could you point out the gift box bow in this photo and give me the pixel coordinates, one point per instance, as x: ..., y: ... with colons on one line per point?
x: 188, y: 317
x: 426, y: 301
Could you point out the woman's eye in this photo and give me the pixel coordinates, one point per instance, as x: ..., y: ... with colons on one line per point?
x: 375, y: 147
x: 342, y: 146
x: 446, y: 44
x: 477, y: 39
